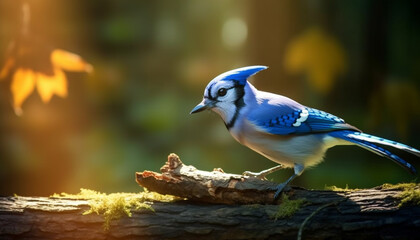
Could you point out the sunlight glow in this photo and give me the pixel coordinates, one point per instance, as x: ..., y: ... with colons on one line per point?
x: 234, y: 33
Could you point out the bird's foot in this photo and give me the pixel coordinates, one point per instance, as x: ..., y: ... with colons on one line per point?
x: 260, y: 175
x: 279, y: 189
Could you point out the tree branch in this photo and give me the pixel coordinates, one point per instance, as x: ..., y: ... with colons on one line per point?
x: 212, y: 187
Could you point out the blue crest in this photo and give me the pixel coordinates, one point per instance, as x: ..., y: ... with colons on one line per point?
x: 240, y: 74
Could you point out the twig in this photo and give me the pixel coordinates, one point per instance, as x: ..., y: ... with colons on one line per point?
x: 299, y: 237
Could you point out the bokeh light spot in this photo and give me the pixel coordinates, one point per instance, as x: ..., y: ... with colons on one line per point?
x: 234, y: 33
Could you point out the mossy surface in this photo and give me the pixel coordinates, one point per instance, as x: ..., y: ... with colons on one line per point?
x: 116, y: 205
x: 410, y: 194
x: 401, y: 186
x: 287, y: 207
x: 338, y: 189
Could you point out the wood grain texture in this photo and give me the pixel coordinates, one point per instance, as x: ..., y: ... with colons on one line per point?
x: 186, y: 181
x: 365, y: 214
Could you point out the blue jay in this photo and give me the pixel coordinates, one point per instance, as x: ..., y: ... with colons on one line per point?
x: 283, y: 130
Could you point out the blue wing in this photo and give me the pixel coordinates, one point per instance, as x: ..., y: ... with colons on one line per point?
x: 281, y: 115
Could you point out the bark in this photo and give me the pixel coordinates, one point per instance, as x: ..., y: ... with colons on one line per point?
x: 363, y: 214
x: 203, y: 186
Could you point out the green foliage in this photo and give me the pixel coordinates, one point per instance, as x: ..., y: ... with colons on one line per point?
x: 288, y: 207
x: 116, y: 205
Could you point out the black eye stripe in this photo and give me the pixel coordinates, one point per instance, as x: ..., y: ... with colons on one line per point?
x: 211, y: 97
x: 209, y: 92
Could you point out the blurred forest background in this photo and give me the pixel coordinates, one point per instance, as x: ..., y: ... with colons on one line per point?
x: 151, y: 61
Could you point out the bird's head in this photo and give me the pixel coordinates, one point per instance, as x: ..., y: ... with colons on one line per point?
x: 224, y: 94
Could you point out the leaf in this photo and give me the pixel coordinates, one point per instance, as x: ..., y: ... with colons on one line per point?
x: 32, y: 63
x: 22, y: 86
x: 49, y: 85
x: 319, y: 55
x: 69, y: 61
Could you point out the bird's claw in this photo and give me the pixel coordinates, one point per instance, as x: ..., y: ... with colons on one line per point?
x: 258, y: 175
x: 279, y: 189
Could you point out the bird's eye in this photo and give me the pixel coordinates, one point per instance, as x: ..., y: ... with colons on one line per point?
x: 222, y: 92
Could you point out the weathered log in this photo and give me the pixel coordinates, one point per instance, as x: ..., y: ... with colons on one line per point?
x: 362, y: 214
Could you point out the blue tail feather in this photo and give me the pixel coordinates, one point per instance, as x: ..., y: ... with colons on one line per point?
x: 369, y: 142
x: 386, y: 142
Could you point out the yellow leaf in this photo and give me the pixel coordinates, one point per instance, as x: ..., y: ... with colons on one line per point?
x: 69, y: 61
x: 6, y: 68
x: 49, y: 85
x: 23, y: 84
x: 319, y: 55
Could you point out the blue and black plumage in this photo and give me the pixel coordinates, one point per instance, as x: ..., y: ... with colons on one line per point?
x: 371, y: 143
x: 284, y: 130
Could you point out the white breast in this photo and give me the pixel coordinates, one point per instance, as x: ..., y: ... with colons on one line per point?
x: 287, y: 150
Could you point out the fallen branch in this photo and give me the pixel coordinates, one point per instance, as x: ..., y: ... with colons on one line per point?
x: 212, y: 187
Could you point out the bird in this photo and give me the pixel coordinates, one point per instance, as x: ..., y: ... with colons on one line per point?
x: 283, y: 130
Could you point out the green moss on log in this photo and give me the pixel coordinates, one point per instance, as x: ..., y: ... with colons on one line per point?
x: 287, y: 207
x: 339, y: 189
x: 116, y: 205
x: 410, y: 194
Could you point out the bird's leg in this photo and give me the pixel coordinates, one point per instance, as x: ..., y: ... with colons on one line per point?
x: 262, y: 174
x: 298, y: 171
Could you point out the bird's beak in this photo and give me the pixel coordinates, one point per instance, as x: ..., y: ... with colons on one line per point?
x: 200, y: 107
